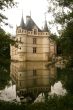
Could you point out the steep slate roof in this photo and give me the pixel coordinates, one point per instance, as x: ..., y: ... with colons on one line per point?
x: 31, y: 24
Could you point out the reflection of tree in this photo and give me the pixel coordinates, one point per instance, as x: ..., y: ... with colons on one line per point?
x: 4, y: 75
x: 66, y: 77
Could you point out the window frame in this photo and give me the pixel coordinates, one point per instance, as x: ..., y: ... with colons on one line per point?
x: 34, y: 49
x: 34, y: 41
x: 35, y: 31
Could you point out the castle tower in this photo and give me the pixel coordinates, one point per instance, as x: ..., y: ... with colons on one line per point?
x: 33, y: 43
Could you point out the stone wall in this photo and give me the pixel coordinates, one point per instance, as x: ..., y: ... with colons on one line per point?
x: 45, y: 47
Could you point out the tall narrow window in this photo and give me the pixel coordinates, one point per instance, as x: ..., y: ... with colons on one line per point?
x: 20, y: 39
x: 34, y: 49
x: 34, y: 72
x: 34, y: 40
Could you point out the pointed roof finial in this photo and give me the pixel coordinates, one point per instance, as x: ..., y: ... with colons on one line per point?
x: 30, y: 13
x: 45, y: 16
x: 45, y: 26
x: 22, y: 24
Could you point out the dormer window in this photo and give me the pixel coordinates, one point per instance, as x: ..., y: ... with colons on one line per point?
x: 35, y: 31
x: 19, y: 31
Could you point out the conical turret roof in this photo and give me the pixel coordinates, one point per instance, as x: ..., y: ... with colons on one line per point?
x: 22, y: 24
x: 45, y: 27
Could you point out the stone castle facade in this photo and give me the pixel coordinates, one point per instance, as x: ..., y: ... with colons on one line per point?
x: 32, y: 43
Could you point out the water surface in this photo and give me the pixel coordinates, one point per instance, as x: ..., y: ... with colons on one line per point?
x: 29, y: 82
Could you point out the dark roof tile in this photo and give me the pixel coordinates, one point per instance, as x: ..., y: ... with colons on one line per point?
x: 30, y: 24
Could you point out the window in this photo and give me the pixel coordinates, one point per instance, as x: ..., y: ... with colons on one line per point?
x: 35, y: 31
x: 34, y: 49
x: 34, y: 72
x: 19, y: 31
x: 34, y: 40
x: 20, y: 83
x: 20, y: 39
x: 22, y: 30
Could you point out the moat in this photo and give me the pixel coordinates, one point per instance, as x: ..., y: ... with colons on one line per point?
x: 31, y: 81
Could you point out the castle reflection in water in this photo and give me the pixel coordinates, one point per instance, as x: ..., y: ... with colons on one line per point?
x: 32, y: 78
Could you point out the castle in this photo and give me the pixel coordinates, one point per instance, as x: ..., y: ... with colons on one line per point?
x: 32, y: 43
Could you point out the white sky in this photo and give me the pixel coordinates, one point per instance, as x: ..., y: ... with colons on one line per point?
x: 37, y: 8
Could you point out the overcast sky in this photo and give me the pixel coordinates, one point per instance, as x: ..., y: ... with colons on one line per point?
x: 37, y: 8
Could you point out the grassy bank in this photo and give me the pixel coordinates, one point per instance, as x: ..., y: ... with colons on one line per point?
x: 54, y: 103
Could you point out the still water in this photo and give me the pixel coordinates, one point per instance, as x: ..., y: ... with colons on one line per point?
x: 29, y: 82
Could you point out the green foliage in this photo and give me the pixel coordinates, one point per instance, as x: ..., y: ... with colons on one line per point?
x: 4, y: 72
x: 5, y: 42
x: 54, y: 37
x: 5, y: 4
x: 4, y: 77
x: 53, y: 103
x: 62, y: 10
x: 65, y: 17
x: 66, y: 40
x: 65, y: 3
x: 66, y: 77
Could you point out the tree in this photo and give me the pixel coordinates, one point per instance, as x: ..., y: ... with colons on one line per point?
x: 62, y: 11
x: 5, y: 4
x: 4, y: 38
x: 65, y: 18
x: 67, y: 40
x: 66, y: 43
x: 5, y: 42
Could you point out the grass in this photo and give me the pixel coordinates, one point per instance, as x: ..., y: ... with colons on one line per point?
x: 53, y: 103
